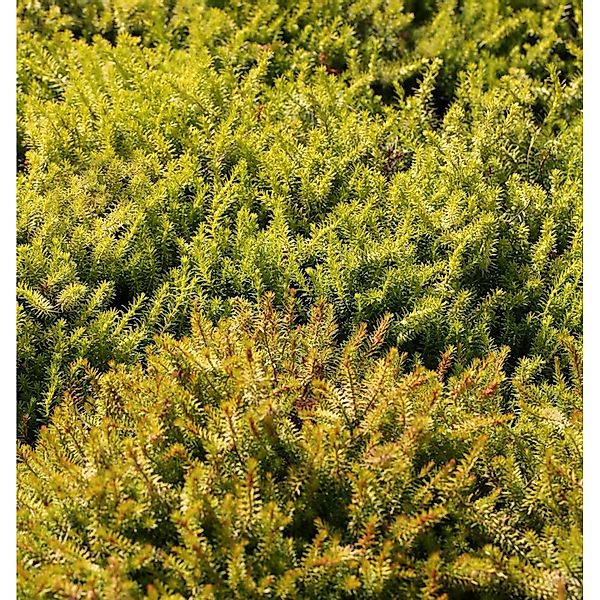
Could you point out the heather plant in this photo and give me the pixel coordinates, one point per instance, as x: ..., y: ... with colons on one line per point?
x: 194, y: 152
x: 262, y: 458
x: 299, y: 299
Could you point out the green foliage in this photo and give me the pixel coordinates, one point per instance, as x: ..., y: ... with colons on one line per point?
x: 418, y: 158
x: 397, y: 185
x: 259, y: 458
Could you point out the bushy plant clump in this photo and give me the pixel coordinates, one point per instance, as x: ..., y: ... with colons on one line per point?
x: 259, y: 458
x: 421, y: 158
x: 299, y: 299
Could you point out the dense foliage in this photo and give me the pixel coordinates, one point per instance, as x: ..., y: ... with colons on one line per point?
x: 408, y: 167
x: 260, y: 459
x: 380, y: 162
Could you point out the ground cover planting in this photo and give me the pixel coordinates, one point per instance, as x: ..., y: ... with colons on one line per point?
x: 299, y: 299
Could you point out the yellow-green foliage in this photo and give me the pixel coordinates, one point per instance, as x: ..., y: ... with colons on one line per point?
x: 259, y: 458
x: 397, y: 186
x: 421, y: 158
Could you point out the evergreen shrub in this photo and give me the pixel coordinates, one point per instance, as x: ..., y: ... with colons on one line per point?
x: 258, y: 458
x: 418, y: 158
x: 299, y: 299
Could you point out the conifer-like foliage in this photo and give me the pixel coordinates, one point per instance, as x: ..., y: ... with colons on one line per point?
x: 259, y: 458
x: 418, y: 158
x: 299, y: 299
